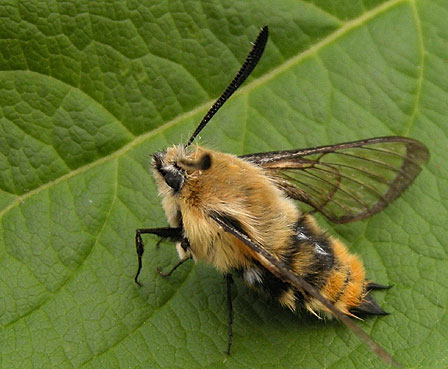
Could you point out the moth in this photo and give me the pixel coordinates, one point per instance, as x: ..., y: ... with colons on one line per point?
x: 239, y: 213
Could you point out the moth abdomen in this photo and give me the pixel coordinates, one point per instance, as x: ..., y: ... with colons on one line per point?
x: 337, y: 274
x: 325, y: 263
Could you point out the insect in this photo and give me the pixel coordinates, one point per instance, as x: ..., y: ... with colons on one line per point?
x: 239, y: 213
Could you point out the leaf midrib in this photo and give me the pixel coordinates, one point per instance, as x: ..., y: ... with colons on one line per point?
x: 347, y: 27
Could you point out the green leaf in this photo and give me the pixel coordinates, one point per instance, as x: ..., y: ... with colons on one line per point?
x: 88, y: 90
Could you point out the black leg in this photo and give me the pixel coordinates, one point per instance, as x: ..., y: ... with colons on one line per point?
x: 167, y: 274
x: 175, y: 234
x: 229, y: 282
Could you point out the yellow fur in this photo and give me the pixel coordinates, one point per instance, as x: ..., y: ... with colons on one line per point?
x: 241, y: 190
x: 231, y: 186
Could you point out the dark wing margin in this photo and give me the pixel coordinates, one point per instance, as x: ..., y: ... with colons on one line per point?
x: 281, y: 271
x: 348, y: 181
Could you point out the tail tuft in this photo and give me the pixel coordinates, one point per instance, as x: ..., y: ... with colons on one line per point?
x: 375, y: 286
x: 368, y: 307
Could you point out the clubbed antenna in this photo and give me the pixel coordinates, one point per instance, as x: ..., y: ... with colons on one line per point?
x: 244, y: 72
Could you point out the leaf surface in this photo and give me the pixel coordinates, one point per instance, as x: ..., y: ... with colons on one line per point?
x: 88, y: 90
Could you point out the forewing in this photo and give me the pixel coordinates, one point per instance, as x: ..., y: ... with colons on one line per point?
x: 348, y: 181
x: 282, y: 271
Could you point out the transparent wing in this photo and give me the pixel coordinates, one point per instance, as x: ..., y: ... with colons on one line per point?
x: 282, y: 271
x: 348, y: 181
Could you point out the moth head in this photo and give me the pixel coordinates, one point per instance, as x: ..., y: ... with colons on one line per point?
x: 173, y: 166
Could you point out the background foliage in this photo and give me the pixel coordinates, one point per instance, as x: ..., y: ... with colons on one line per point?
x: 88, y: 90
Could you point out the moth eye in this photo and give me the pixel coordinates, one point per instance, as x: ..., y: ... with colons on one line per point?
x: 174, y: 179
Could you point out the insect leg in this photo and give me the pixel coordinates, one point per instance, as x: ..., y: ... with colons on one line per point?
x: 174, y: 234
x: 229, y: 281
x: 167, y: 274
x: 185, y: 244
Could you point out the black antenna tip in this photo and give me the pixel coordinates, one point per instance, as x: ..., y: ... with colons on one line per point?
x: 244, y: 72
x: 264, y: 30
